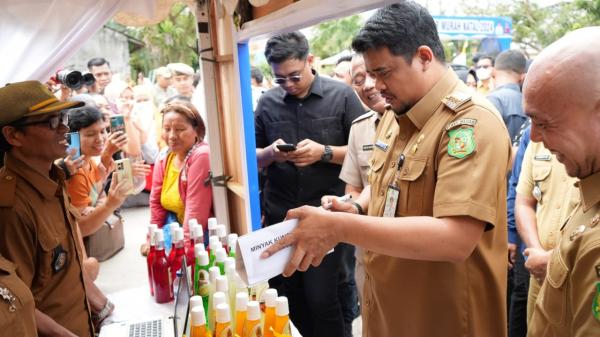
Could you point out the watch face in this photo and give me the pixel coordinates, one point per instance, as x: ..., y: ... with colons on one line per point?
x: 327, y: 154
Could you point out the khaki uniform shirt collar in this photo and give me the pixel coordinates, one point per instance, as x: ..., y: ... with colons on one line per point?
x: 589, y: 188
x: 420, y: 113
x: 48, y: 187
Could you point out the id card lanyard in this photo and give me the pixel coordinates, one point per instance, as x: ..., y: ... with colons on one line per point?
x: 393, y: 192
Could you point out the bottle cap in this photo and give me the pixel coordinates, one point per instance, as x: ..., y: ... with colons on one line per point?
x: 253, y: 311
x: 270, y: 297
x: 232, y: 240
x: 218, y: 298
x: 241, y: 301
x: 214, y: 242
x: 229, y: 270
x: 213, y: 272
x: 173, y: 225
x: 198, y: 248
x: 212, y: 223
x: 220, y: 255
x: 223, y: 313
x: 192, y: 222
x: 281, y: 307
x: 159, y: 236
x: 229, y: 261
x: 195, y: 301
x: 198, y: 318
x: 203, y: 258
x: 222, y: 284
x: 152, y: 227
x: 221, y: 231
x: 199, y: 232
x: 177, y: 234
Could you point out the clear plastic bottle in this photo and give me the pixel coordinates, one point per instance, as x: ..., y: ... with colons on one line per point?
x: 252, y: 327
x: 220, y: 256
x: 223, y: 326
x: 213, y: 245
x: 232, y: 244
x: 241, y: 307
x: 198, y: 322
x: 282, y: 319
x: 212, y: 227
x: 151, y: 253
x: 222, y: 234
x: 217, y: 298
x: 161, y: 272
x: 270, y: 297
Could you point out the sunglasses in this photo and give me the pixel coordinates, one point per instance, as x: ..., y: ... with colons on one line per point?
x: 53, y: 122
x: 294, y: 78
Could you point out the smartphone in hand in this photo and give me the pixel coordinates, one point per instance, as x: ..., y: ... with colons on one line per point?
x: 117, y: 123
x: 124, y: 172
x: 286, y: 147
x: 74, y: 143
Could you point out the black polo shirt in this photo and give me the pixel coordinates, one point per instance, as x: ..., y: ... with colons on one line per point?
x: 324, y: 116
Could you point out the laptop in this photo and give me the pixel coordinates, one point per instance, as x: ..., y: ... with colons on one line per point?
x: 169, y: 326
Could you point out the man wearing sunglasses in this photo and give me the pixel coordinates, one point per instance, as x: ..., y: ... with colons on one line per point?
x: 314, y: 115
x: 38, y: 230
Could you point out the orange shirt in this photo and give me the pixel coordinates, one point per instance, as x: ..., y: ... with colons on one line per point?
x: 85, y: 185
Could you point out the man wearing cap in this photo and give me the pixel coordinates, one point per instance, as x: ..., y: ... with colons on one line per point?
x: 183, y: 82
x: 38, y: 230
x: 162, y: 88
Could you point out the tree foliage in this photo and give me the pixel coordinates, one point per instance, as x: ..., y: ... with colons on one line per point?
x: 171, y: 40
x: 330, y: 38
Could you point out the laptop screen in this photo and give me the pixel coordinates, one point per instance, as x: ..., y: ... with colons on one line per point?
x: 182, y: 300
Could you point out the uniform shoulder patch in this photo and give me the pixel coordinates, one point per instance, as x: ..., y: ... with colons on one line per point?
x: 363, y: 117
x: 461, y: 143
x: 464, y: 121
x: 455, y: 100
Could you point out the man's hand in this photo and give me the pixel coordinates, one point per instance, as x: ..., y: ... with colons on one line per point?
x: 307, y: 152
x: 278, y: 156
x: 315, y: 235
x: 512, y: 255
x: 332, y: 203
x: 537, y: 262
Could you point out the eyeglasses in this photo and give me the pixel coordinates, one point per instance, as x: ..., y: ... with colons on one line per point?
x: 53, y: 122
x: 293, y: 78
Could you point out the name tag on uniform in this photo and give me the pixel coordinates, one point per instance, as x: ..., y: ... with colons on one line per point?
x: 543, y: 157
x: 367, y: 147
x: 59, y: 258
x: 381, y: 145
x: 391, y: 201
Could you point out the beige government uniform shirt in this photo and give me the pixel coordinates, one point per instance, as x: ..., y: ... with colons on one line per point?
x: 38, y: 234
x: 422, y: 298
x: 545, y: 179
x: 568, y: 304
x: 17, y: 310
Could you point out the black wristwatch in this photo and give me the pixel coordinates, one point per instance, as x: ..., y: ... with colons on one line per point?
x: 327, y: 154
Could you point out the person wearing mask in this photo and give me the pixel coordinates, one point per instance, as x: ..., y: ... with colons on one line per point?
x: 180, y: 182
x: 100, y: 68
x: 17, y: 307
x: 39, y: 229
x: 315, y: 114
x: 434, y: 238
x: 563, y: 103
x: 484, y: 70
x: 121, y: 94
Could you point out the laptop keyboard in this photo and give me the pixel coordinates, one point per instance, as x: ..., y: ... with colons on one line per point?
x: 146, y: 329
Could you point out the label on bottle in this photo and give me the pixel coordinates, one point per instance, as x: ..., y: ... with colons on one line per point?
x: 226, y: 332
x: 203, y: 283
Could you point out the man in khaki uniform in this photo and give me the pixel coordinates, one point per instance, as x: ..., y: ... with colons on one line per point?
x: 542, y: 201
x: 564, y: 105
x: 436, y: 261
x: 38, y: 231
x: 16, y: 303
x: 360, y: 144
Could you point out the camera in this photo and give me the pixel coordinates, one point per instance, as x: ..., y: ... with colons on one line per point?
x: 75, y: 79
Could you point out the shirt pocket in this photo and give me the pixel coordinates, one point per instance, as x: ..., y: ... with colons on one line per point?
x: 540, y: 173
x: 554, y: 292
x: 376, y: 162
x: 328, y: 131
x: 412, y: 186
x: 49, y: 241
x: 363, y: 159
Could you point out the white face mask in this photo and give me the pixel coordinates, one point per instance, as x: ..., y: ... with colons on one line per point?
x: 142, y: 108
x: 483, y: 73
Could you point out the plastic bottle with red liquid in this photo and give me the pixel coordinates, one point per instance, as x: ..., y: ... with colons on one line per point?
x: 161, y: 272
x: 176, y: 256
x: 151, y: 253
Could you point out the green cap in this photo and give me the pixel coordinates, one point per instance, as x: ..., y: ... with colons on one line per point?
x: 29, y: 98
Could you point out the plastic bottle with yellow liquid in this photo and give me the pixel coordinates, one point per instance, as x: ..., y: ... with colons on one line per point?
x: 241, y: 305
x: 282, y: 318
x: 198, y: 322
x: 252, y: 327
x: 217, y: 298
x: 270, y: 297
x: 223, y: 326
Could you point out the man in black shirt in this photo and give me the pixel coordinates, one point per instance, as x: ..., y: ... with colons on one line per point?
x: 314, y: 114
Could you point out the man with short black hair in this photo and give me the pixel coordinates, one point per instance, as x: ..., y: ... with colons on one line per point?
x: 342, y: 69
x: 484, y: 69
x: 100, y: 68
x: 314, y: 114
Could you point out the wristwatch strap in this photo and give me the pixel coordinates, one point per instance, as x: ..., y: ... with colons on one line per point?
x: 358, y: 207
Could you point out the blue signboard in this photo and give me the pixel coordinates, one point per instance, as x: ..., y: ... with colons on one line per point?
x: 487, y: 28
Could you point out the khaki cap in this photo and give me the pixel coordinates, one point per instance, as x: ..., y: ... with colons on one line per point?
x: 29, y: 98
x: 181, y: 68
x: 163, y: 72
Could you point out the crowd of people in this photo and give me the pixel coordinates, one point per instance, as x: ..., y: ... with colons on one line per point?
x: 472, y: 201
